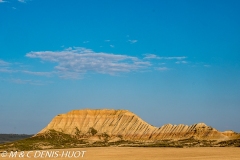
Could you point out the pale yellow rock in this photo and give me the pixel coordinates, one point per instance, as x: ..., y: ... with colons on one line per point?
x: 128, y: 126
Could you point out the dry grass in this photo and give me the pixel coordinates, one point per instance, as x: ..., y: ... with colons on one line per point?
x: 139, y: 153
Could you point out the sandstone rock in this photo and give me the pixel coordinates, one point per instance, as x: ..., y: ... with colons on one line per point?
x: 231, y: 134
x: 127, y: 126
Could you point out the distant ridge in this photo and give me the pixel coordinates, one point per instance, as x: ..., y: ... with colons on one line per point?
x: 128, y: 126
x: 4, y: 138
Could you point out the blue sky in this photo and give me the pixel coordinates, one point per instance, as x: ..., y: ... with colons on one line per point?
x: 167, y: 61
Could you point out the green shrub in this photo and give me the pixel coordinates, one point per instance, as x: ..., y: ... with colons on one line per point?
x: 92, y: 131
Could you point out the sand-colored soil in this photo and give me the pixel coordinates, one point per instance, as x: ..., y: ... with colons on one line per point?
x: 125, y: 153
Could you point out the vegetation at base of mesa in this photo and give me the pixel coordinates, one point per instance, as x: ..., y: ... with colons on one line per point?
x: 77, y: 133
x: 235, y: 143
x: 105, y: 136
x: 92, y: 131
x: 120, y: 143
x: 56, y: 140
x: 50, y: 139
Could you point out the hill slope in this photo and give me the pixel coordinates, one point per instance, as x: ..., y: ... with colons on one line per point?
x: 128, y: 126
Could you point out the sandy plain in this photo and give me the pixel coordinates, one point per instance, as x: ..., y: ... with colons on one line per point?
x: 134, y: 153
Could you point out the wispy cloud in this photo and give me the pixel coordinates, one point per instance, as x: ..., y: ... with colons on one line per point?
x: 112, y: 46
x: 162, y: 69
x: 11, y: 70
x: 6, y: 67
x: 26, y: 81
x: 22, y: 1
x: 19, y: 81
x: 181, y: 62
x: 174, y: 58
x: 6, y: 70
x: 85, y: 41
x: 107, y: 40
x: 132, y: 41
x: 47, y: 74
x: 3, y: 63
x: 153, y: 56
x: 2, y: 1
x: 76, y: 61
x: 206, y: 65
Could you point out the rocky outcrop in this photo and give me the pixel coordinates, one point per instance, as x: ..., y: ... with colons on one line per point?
x: 128, y: 126
x: 231, y: 134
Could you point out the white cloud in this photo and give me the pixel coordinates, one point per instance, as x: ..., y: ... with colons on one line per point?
x: 174, y: 58
x: 25, y: 81
x: 162, y: 68
x: 70, y: 75
x: 151, y: 56
x: 22, y: 1
x: 112, y: 46
x: 74, y: 62
x: 206, y: 65
x: 6, y: 70
x: 107, y: 40
x: 85, y: 41
x: 132, y: 41
x: 161, y: 63
x: 19, y: 81
x: 181, y: 62
x: 2, y: 1
x: 6, y: 67
x: 3, y: 63
x: 38, y: 73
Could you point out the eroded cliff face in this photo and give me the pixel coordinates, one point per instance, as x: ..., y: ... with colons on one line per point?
x: 128, y: 126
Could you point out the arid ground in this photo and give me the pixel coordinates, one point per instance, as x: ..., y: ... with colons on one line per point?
x: 127, y: 153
